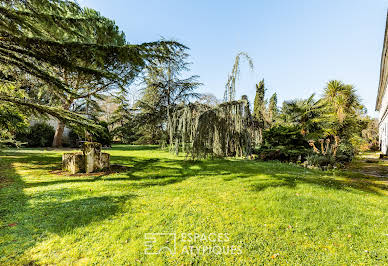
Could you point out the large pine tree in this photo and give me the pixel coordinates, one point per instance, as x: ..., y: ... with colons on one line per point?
x: 165, y: 89
x: 40, y: 38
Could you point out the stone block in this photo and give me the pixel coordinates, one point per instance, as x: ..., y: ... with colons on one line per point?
x: 90, y: 160
x: 92, y: 151
x: 105, y: 160
x: 73, y: 162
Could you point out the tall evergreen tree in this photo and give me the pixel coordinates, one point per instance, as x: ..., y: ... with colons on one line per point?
x: 259, y: 103
x: 165, y: 89
x: 259, y: 107
x: 86, y: 89
x: 40, y: 36
x: 123, y: 120
x: 273, y: 109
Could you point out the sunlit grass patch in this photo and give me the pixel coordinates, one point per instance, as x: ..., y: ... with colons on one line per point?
x: 276, y: 213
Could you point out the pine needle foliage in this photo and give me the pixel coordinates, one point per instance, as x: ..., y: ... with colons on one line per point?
x: 259, y: 103
x: 273, y: 109
x: 39, y: 36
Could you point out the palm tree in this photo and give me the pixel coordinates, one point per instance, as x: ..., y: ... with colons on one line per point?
x: 343, y: 107
x: 304, y: 113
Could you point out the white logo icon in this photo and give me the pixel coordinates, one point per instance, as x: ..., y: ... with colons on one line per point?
x: 157, y: 243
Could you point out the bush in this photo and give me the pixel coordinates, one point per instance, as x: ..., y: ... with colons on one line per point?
x: 321, y: 161
x: 281, y: 154
x: 284, y: 144
x: 38, y: 135
x: 73, y: 139
x: 374, y: 146
x: 345, y: 152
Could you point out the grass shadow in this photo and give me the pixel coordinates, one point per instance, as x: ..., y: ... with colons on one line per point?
x: 26, y: 220
x: 134, y: 147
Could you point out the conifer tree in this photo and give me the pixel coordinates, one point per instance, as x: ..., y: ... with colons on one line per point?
x: 230, y: 87
x: 39, y: 38
x: 259, y: 107
x: 165, y: 89
x: 273, y: 109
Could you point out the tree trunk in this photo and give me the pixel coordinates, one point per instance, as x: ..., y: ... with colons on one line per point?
x: 57, y: 142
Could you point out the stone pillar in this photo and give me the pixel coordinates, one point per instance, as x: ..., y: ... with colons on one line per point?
x: 73, y: 162
x: 92, y: 152
x: 105, y: 160
x: 90, y: 160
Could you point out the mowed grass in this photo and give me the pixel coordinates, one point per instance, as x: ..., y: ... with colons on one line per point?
x: 273, y: 213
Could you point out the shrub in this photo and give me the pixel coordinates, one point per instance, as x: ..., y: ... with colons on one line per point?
x: 374, y: 146
x: 73, y: 138
x: 284, y: 144
x: 280, y: 154
x: 321, y: 161
x: 38, y: 135
x: 345, y: 152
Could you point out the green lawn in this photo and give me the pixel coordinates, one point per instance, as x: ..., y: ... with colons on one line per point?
x: 269, y: 213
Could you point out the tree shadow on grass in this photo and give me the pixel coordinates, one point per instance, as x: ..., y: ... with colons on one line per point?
x: 339, y: 180
x: 137, y: 166
x: 62, y: 217
x: 23, y: 224
x: 134, y: 147
x: 26, y: 220
x: 35, y: 160
x: 144, y: 172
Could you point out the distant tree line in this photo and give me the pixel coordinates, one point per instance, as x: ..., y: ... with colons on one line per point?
x: 64, y: 62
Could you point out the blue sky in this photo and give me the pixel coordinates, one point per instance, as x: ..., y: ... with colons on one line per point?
x: 297, y: 46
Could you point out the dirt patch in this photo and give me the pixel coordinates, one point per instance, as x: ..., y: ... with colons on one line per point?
x: 370, y: 164
x: 115, y: 168
x: 4, y: 181
x: 370, y: 168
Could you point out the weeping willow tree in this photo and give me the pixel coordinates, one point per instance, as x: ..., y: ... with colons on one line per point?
x: 230, y: 87
x: 221, y: 131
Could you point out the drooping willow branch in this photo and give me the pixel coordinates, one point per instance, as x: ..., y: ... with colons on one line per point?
x: 222, y: 131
